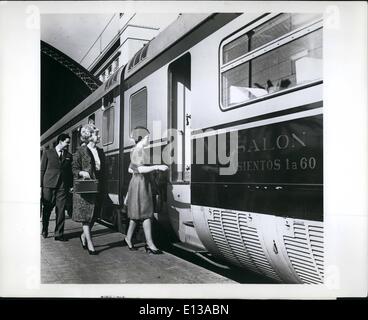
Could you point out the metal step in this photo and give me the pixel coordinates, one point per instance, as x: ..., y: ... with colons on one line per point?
x: 188, y: 223
x: 189, y: 247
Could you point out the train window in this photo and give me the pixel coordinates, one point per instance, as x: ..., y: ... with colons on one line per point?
x: 136, y: 57
x: 116, y: 73
x: 116, y: 65
x: 235, y: 49
x: 108, y: 126
x: 279, y: 26
x: 138, y: 109
x: 75, y: 139
x: 283, y: 53
x: 144, y: 51
x: 131, y: 64
x: 91, y: 119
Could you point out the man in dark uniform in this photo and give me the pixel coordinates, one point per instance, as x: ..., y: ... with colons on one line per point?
x: 56, y: 181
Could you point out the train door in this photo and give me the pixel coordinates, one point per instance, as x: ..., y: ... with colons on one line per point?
x: 109, y: 140
x: 179, y: 117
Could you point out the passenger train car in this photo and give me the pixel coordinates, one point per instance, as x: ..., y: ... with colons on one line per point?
x: 243, y: 93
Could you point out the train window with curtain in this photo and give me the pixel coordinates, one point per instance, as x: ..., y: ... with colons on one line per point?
x: 138, y: 109
x: 108, y: 126
x: 283, y: 53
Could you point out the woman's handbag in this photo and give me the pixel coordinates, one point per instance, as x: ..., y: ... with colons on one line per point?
x: 85, y: 186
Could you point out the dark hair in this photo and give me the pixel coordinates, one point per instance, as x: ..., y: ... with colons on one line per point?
x: 138, y: 133
x: 62, y: 137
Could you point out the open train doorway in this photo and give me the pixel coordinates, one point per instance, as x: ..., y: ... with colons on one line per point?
x: 179, y: 120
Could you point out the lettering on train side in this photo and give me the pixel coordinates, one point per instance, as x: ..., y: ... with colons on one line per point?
x: 282, y: 152
x: 302, y: 163
x: 281, y: 142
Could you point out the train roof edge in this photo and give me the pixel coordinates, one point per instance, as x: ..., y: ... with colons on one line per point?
x: 166, y: 38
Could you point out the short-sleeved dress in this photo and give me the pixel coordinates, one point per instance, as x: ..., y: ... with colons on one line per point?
x: 140, y: 203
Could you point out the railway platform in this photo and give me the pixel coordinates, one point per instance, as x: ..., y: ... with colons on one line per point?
x: 67, y: 262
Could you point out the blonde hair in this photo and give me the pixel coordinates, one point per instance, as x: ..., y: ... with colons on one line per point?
x: 86, y: 132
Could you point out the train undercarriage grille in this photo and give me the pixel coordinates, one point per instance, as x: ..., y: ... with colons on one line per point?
x: 305, y: 251
x: 251, y: 240
x: 239, y: 243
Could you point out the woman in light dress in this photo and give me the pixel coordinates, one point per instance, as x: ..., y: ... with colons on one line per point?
x: 139, y: 196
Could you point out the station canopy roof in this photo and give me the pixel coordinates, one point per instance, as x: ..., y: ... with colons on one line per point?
x: 64, y: 84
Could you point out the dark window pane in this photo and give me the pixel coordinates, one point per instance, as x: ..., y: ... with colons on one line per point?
x: 108, y: 126
x: 91, y: 119
x: 138, y: 109
x: 280, y: 25
x: 144, y: 52
x: 235, y: 49
x: 271, y: 30
x: 131, y: 64
x: 75, y: 140
x: 136, y: 57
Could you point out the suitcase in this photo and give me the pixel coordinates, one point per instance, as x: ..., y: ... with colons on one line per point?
x: 86, y: 186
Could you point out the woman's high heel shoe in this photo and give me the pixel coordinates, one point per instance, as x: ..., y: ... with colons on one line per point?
x: 84, y: 245
x: 131, y: 248
x: 149, y: 250
x: 92, y: 252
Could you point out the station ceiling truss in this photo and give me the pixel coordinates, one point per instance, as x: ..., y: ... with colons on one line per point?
x: 89, y: 79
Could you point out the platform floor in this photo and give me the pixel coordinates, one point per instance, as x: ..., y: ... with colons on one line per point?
x: 67, y: 262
